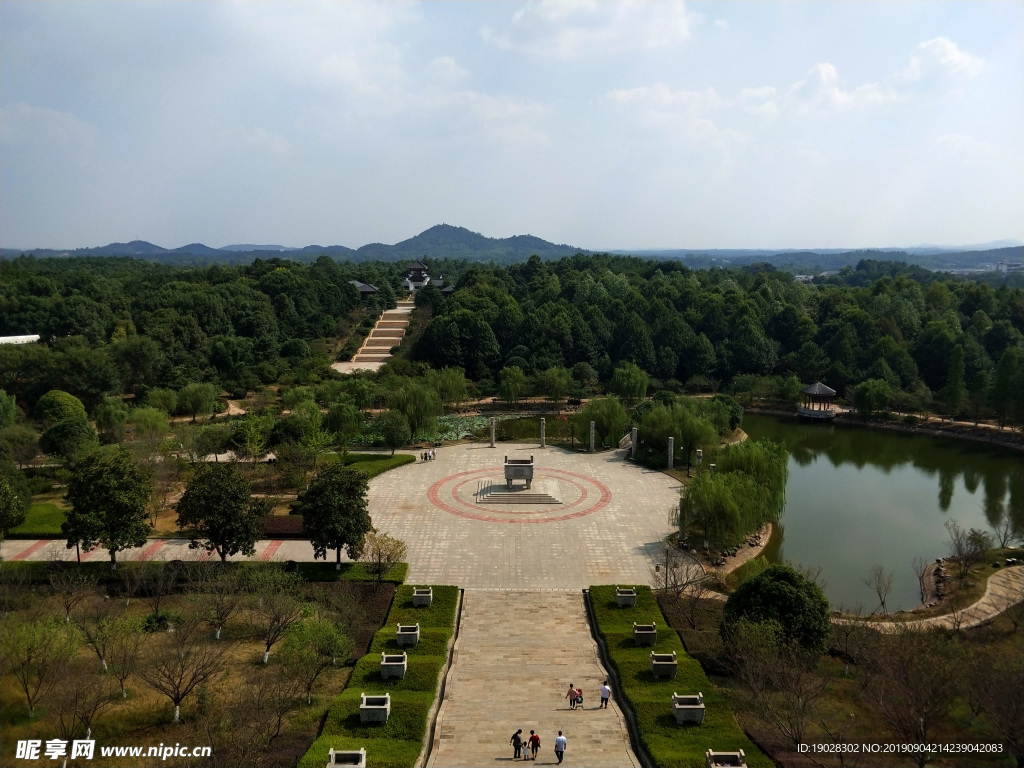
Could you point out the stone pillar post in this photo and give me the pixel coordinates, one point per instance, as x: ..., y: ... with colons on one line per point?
x: 671, y: 452
x: 632, y: 446
x: 591, y: 437
x: 493, y: 424
x: 542, y: 426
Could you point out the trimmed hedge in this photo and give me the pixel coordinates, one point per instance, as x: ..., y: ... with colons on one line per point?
x: 397, y: 743
x: 281, y: 526
x: 667, y: 744
x: 310, y: 572
x: 373, y: 464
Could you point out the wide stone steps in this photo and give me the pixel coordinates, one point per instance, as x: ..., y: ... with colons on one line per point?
x: 517, y: 497
x: 514, y: 658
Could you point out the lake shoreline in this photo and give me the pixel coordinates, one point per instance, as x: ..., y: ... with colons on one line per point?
x: 984, y: 435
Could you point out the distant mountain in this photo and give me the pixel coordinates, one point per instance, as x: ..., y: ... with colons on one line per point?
x: 445, y: 241
x: 246, y: 247
x: 197, y: 249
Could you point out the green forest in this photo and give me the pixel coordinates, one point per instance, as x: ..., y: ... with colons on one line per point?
x: 909, y: 340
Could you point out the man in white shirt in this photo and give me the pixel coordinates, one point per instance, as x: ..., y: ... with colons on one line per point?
x: 606, y: 693
x: 560, y: 743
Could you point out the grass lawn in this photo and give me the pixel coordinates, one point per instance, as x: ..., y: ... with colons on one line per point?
x: 397, y: 743
x: 42, y: 522
x: 650, y: 698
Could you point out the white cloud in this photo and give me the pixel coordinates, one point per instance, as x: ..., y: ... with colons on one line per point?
x: 820, y: 89
x: 938, y: 63
x: 444, y: 68
x: 721, y: 24
x: 936, y: 66
x: 572, y: 28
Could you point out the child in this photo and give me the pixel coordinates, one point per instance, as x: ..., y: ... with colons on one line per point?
x: 534, y: 742
x: 579, y: 698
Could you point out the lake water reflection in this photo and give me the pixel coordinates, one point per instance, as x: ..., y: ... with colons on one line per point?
x: 859, y: 497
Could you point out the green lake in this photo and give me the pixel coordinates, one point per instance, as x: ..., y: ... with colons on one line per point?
x: 860, y: 497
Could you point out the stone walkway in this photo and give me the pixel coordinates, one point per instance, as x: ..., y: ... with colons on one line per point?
x: 1003, y: 590
x: 514, y: 658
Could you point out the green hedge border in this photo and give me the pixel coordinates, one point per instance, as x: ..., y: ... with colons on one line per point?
x: 667, y: 745
x: 310, y: 572
x: 399, y: 742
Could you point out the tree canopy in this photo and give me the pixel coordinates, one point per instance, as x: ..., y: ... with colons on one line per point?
x: 782, y: 595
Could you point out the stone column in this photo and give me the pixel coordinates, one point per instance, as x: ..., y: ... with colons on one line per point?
x: 542, y: 425
x: 632, y: 447
x: 493, y: 424
x: 591, y: 437
x: 671, y: 452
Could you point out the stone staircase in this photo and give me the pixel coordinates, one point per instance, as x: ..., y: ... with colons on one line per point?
x: 387, y: 333
x: 490, y: 493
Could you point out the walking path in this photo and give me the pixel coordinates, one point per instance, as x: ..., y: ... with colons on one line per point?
x: 514, y: 658
x: 1003, y: 590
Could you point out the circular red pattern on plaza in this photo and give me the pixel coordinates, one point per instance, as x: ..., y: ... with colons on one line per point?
x: 446, y: 494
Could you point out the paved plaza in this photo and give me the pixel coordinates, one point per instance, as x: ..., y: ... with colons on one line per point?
x: 609, y: 517
x: 516, y: 654
x: 612, y: 515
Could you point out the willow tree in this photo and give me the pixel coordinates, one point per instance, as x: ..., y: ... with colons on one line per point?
x: 680, y: 422
x: 767, y: 463
x: 747, y: 490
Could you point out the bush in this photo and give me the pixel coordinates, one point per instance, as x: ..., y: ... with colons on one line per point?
x: 783, y: 595
x: 159, y: 621
x: 667, y: 744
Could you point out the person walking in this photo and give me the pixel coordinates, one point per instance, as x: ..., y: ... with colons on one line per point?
x: 534, y: 743
x: 517, y: 743
x: 560, y: 744
x: 571, y: 696
x: 606, y: 693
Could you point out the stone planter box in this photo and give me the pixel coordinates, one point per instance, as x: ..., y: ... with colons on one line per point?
x: 689, y: 709
x: 408, y: 634
x: 625, y: 597
x: 727, y: 759
x: 374, y: 709
x: 346, y: 757
x: 393, y: 665
x: 645, y: 634
x: 663, y: 664
x: 421, y: 598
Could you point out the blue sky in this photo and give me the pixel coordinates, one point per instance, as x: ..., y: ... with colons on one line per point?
x: 606, y: 125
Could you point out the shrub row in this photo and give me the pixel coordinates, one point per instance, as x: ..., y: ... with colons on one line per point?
x: 36, y: 572
x: 373, y: 464
x: 666, y: 743
x: 397, y: 743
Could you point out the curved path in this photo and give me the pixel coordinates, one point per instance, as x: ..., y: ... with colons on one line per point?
x: 1003, y: 590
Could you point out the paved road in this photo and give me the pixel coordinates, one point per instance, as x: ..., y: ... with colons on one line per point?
x: 515, y: 656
